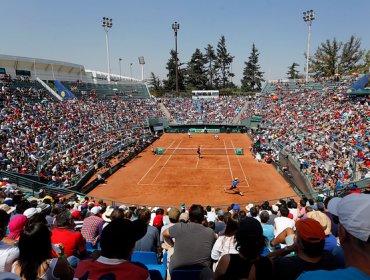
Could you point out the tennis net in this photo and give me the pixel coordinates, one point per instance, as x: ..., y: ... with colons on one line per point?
x: 203, y: 151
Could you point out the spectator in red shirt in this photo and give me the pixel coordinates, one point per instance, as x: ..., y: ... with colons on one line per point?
x: 64, y: 233
x: 117, y: 243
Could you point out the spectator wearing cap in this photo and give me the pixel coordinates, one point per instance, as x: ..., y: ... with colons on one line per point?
x: 330, y: 240
x: 354, y: 235
x: 77, y: 219
x: 16, y: 226
x: 92, y: 226
x: 191, y: 235
x: 117, y: 243
x: 184, y: 217
x: 63, y: 233
x: 150, y: 241
x: 249, y: 244
x: 7, y: 253
x: 236, y: 208
x: 225, y: 244
x: 308, y: 243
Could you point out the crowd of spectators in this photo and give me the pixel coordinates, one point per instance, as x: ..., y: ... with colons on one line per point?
x: 327, y: 133
x: 61, y: 141
x: 50, y: 237
x: 221, y: 110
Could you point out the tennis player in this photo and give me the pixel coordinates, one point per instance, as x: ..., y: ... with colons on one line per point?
x: 199, y: 152
x: 234, y: 187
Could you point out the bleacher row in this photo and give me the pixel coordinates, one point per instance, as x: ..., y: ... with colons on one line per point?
x: 92, y: 240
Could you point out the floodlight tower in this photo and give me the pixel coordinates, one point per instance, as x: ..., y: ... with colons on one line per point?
x: 107, y: 24
x: 176, y: 27
x: 142, y: 62
x: 131, y: 70
x: 119, y: 61
x: 308, y: 17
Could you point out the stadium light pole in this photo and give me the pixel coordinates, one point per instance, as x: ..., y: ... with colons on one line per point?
x: 107, y: 24
x: 131, y: 70
x: 176, y: 27
x: 308, y: 17
x: 142, y: 62
x: 119, y: 61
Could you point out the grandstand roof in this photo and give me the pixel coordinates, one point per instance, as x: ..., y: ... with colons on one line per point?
x: 45, y: 69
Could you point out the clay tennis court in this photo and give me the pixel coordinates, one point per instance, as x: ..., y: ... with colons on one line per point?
x: 179, y: 176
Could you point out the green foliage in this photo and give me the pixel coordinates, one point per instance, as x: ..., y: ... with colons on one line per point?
x: 366, y: 66
x: 223, y: 63
x: 211, y: 68
x: 170, y: 83
x: 155, y: 83
x: 252, y: 76
x: 293, y: 73
x: 196, y: 72
x: 333, y: 57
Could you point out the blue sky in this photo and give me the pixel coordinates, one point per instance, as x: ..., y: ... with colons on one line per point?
x: 70, y: 30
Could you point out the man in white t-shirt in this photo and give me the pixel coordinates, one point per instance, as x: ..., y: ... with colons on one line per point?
x: 8, y: 254
x: 283, y: 221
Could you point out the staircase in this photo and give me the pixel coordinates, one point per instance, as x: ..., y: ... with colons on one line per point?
x: 237, y: 118
x: 49, y: 89
x: 166, y: 113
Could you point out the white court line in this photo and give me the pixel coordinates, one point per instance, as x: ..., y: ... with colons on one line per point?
x: 196, y: 166
x: 228, y: 160
x: 216, y: 168
x: 185, y: 185
x: 245, y: 177
x: 160, y: 156
x: 160, y: 170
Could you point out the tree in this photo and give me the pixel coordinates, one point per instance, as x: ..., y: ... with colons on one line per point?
x: 210, y: 57
x: 252, y: 76
x: 292, y: 72
x: 170, y: 83
x: 366, y: 66
x: 196, y: 72
x: 352, y: 54
x: 155, y: 82
x: 224, y: 60
x: 333, y: 57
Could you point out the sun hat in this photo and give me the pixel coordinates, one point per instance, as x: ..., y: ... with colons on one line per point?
x: 322, y: 218
x: 95, y: 210
x: 30, y: 212
x: 249, y: 206
x: 108, y: 212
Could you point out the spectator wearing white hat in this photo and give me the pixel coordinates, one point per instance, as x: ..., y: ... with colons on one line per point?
x: 92, y: 226
x: 354, y: 235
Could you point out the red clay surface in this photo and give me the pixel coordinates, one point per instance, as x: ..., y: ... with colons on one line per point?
x: 171, y: 179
